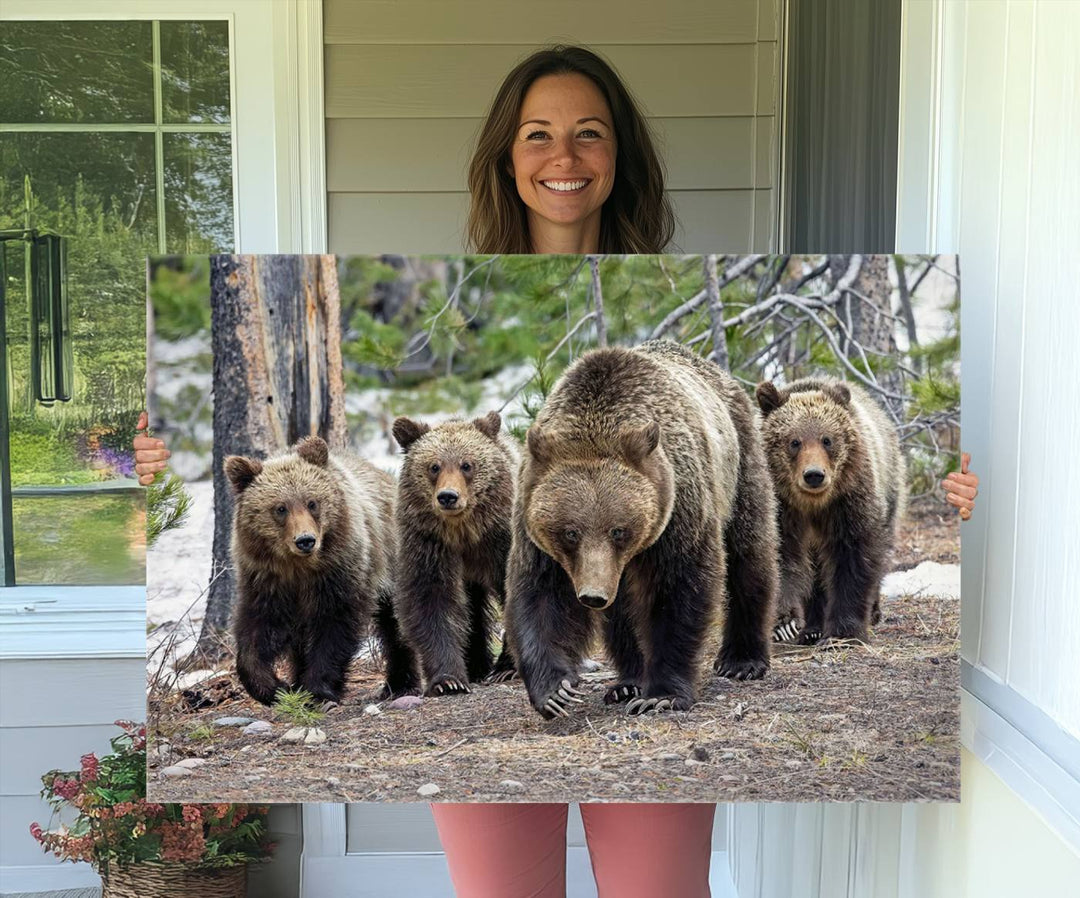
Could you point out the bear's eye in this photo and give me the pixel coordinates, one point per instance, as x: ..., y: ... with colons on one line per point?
x: 826, y: 442
x: 618, y: 534
x: 795, y: 444
x: 465, y: 467
x: 571, y: 536
x: 312, y: 505
x: 281, y: 509
x: 435, y: 468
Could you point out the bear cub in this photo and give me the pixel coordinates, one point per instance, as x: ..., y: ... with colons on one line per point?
x: 313, y: 549
x: 455, y: 495
x: 840, y: 479
x: 644, y: 510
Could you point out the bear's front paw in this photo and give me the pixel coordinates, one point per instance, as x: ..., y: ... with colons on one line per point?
x: 786, y: 629
x: 809, y: 636
x: 447, y: 686
x: 504, y: 669
x: 658, y: 703
x: 558, y: 703
x: 621, y: 692
x: 742, y: 668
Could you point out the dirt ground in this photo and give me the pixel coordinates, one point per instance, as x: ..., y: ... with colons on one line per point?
x: 878, y: 722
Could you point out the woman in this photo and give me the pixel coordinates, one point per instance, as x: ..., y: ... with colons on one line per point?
x: 565, y: 164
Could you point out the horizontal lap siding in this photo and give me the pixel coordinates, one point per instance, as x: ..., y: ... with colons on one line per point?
x: 408, y: 83
x: 520, y: 21
x: 52, y: 713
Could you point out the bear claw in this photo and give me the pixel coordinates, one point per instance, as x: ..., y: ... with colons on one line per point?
x: 501, y: 676
x: 621, y: 692
x: 448, y: 686
x: 557, y: 705
x: 742, y: 670
x: 785, y: 632
x: 660, y: 703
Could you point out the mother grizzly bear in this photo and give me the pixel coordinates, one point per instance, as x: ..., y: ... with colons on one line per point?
x: 644, y: 507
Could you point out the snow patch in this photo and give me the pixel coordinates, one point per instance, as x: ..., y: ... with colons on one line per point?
x: 930, y: 578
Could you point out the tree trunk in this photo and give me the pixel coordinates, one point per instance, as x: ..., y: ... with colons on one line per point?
x: 907, y: 310
x: 598, y: 303
x: 276, y: 340
x: 716, y: 314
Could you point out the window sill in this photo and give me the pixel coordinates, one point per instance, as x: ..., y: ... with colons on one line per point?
x: 73, y: 622
x: 1033, y: 756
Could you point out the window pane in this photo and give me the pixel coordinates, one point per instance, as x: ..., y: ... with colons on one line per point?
x: 76, y: 72
x: 97, y: 190
x: 80, y: 540
x: 96, y: 184
x: 195, y: 71
x: 198, y: 193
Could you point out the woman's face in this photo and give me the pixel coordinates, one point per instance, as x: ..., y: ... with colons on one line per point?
x: 563, y: 155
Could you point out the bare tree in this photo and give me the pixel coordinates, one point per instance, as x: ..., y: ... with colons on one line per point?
x: 598, y: 302
x: 276, y: 342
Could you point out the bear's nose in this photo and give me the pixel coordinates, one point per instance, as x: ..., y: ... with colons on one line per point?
x: 447, y: 498
x: 592, y: 601
x: 813, y: 477
x: 305, y: 542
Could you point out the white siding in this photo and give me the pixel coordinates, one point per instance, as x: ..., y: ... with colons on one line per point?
x: 1014, y: 214
x: 407, y: 85
x: 52, y: 713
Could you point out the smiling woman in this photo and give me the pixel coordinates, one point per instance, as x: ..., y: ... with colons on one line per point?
x: 565, y: 164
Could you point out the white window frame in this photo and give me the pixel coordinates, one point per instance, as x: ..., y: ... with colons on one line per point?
x: 279, y: 170
x: 279, y: 206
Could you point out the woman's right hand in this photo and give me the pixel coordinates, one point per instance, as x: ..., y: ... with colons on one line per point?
x: 150, y: 453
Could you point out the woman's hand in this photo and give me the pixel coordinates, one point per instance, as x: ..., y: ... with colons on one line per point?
x: 961, y: 487
x: 150, y: 453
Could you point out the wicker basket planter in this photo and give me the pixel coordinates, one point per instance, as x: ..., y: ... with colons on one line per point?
x: 159, y: 880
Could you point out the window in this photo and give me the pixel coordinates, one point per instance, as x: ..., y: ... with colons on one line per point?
x: 116, y: 135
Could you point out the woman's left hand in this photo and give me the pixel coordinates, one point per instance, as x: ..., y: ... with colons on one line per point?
x: 150, y: 454
x: 961, y: 487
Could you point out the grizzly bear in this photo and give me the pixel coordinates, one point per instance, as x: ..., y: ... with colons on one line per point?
x: 313, y: 549
x: 840, y: 480
x: 455, y: 496
x: 644, y: 509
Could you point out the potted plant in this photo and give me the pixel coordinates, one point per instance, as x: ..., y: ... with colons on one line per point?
x: 142, y: 848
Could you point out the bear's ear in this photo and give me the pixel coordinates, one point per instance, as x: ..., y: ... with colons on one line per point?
x: 406, y: 432
x: 768, y: 397
x: 489, y: 425
x: 241, y: 472
x: 314, y: 450
x: 638, y: 443
x: 838, y: 393
x: 541, y: 445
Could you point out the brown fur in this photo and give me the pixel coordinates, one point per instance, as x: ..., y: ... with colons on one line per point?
x: 453, y: 550
x: 314, y: 550
x: 838, y: 530
x: 644, y: 507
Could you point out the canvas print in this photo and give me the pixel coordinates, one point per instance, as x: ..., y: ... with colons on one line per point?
x: 564, y: 528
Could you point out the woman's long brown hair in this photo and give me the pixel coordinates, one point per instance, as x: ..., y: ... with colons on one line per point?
x: 636, y: 218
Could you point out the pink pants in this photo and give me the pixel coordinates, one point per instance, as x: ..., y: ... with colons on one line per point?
x: 519, y: 850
